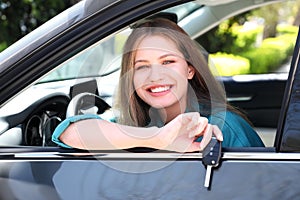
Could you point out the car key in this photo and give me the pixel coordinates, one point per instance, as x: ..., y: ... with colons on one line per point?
x: 210, y: 157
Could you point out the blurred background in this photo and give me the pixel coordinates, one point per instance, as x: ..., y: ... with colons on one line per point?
x: 245, y: 40
x: 19, y: 17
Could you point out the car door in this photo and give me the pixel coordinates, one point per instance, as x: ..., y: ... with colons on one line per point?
x: 243, y: 173
x: 59, y: 173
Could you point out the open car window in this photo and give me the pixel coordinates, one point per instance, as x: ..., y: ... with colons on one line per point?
x: 39, y: 82
x: 245, y: 61
x: 238, y: 64
x: 247, y: 86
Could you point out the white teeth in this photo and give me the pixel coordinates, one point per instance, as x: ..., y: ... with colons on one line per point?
x: 160, y: 89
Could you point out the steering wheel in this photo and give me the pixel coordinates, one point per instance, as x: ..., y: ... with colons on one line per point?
x: 86, y: 103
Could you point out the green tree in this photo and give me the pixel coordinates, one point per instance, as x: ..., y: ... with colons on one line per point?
x: 271, y: 19
x: 19, y: 17
x: 222, y: 37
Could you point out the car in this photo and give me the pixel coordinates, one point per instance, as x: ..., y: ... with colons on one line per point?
x: 74, y: 59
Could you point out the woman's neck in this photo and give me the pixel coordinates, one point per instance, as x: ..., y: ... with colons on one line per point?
x: 169, y: 113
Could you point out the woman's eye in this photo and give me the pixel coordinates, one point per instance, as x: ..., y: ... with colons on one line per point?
x: 166, y: 62
x: 139, y: 67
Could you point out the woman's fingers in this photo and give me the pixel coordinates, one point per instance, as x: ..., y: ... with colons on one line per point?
x: 181, y: 132
x: 193, y: 123
x: 217, y: 132
x: 194, y: 146
x: 209, y: 132
x: 197, y: 128
x: 206, y: 136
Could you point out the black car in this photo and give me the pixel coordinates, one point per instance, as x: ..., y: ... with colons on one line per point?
x: 78, y: 53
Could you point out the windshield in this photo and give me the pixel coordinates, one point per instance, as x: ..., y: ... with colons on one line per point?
x: 50, y: 29
x: 104, y: 57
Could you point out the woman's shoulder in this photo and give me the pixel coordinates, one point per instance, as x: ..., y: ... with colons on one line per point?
x: 226, y: 117
x: 236, y: 130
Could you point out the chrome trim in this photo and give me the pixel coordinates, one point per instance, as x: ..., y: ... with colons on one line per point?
x: 226, y: 155
x: 261, y: 156
x: 240, y: 98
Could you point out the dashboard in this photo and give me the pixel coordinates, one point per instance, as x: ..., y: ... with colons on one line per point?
x: 40, y: 124
x: 31, y: 117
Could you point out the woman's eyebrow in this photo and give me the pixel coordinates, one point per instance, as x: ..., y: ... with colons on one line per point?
x: 161, y: 57
x: 169, y: 54
x: 141, y: 60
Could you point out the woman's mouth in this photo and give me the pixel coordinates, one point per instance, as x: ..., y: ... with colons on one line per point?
x: 159, y: 89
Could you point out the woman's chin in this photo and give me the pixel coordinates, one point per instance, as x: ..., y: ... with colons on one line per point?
x: 157, y: 106
x: 161, y: 105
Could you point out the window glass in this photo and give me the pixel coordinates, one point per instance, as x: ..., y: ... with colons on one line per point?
x: 99, y: 60
x: 252, y: 52
x: 258, y: 41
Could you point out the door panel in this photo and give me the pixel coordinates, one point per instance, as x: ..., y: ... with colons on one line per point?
x: 259, y: 96
x: 131, y: 176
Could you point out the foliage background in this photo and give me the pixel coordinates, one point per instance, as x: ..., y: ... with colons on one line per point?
x: 19, y: 17
x: 233, y: 52
x: 235, y: 48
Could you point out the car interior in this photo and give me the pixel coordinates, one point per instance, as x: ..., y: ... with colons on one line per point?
x: 93, y: 74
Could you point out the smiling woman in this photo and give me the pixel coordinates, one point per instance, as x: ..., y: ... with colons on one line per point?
x: 161, y: 76
x: 168, y: 99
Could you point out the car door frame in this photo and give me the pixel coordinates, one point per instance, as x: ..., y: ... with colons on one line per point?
x: 246, y: 173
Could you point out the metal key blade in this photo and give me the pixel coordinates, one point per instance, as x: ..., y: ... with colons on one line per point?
x: 210, y: 158
x: 207, y: 176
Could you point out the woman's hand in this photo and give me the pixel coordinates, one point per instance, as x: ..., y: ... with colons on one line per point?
x: 180, y: 133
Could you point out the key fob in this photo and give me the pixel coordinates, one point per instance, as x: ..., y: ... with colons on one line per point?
x: 212, y: 153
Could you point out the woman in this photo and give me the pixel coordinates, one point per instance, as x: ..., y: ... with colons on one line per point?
x: 167, y: 99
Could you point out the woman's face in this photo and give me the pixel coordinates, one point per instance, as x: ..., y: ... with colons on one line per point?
x: 161, y: 73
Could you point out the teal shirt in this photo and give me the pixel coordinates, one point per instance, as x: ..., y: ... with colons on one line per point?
x: 237, y: 132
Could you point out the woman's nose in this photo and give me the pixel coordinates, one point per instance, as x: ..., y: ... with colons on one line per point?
x: 156, y: 72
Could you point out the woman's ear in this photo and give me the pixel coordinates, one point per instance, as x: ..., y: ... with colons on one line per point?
x: 191, y: 72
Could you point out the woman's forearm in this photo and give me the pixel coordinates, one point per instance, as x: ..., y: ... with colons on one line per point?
x: 103, y: 135
x: 177, y: 135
